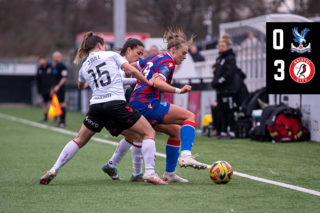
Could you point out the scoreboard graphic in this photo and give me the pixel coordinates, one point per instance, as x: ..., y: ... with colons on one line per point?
x: 293, y: 58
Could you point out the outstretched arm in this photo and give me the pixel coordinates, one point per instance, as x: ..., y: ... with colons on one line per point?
x: 135, y: 73
x: 163, y: 86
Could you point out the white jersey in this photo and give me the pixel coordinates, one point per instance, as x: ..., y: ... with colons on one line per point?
x: 101, y: 71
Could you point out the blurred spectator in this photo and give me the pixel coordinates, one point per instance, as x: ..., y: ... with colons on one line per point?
x: 216, y: 118
x: 195, y: 54
x: 44, y: 83
x: 251, y: 45
x: 60, y: 74
x: 241, y: 88
x: 153, y: 50
x: 146, y: 54
x: 224, y: 83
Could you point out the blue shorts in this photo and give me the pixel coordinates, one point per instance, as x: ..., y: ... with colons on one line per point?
x: 153, y: 111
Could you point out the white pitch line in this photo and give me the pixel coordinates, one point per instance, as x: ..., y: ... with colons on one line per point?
x: 43, y: 126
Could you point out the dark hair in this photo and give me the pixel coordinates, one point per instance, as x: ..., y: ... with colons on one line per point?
x: 89, y: 42
x: 132, y: 43
x: 175, y: 37
x: 42, y: 57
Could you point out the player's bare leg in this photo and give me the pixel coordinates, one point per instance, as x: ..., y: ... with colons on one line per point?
x: 144, y: 129
x: 123, y: 147
x: 178, y: 115
x: 172, y: 151
x: 69, y: 151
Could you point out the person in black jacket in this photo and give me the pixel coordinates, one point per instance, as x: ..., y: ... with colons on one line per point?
x: 195, y: 54
x: 225, y: 84
x: 44, y: 84
x: 60, y: 74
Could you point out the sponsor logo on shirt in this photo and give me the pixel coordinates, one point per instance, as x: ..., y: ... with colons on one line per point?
x: 163, y: 103
x: 165, y: 70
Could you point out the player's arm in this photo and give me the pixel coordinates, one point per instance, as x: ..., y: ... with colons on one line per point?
x: 135, y: 73
x: 129, y: 81
x: 163, y: 86
x: 82, y: 85
x: 133, y: 64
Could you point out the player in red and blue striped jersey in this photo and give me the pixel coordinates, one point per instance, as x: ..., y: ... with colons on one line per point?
x: 163, y: 116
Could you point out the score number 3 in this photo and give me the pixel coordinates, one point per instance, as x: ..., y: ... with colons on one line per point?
x: 280, y: 75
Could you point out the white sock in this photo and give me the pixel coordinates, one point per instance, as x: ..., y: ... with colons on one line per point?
x: 169, y: 173
x: 137, y: 159
x: 185, y: 153
x: 149, y: 155
x: 120, y: 152
x: 68, y: 152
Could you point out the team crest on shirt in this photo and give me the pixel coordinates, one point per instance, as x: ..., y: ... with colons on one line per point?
x: 300, y: 38
x: 302, y: 70
x: 170, y: 65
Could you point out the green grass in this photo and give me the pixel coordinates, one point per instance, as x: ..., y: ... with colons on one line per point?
x: 27, y: 152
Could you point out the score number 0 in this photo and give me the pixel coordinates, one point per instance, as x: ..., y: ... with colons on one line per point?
x: 280, y: 75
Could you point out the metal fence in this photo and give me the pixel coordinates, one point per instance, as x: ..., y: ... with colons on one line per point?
x: 251, y: 59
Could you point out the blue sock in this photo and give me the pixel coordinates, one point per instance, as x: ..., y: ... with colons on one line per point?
x: 172, y: 151
x: 187, y: 135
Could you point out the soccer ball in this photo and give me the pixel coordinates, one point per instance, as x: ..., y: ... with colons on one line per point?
x: 221, y: 172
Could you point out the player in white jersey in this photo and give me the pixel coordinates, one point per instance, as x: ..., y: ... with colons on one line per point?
x: 131, y: 51
x: 108, y: 107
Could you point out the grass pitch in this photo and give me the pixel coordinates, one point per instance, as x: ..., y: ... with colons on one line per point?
x: 27, y: 152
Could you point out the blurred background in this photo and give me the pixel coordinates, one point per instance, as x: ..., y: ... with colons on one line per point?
x: 33, y: 28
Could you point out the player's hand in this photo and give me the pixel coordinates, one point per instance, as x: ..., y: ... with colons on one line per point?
x: 56, y: 88
x: 85, y: 85
x: 185, y: 89
x: 151, y: 81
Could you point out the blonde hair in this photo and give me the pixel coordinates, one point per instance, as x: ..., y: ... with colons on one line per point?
x: 226, y: 39
x: 175, y: 37
x: 89, y: 42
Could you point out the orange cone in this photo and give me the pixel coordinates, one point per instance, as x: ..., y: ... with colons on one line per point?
x: 55, y: 109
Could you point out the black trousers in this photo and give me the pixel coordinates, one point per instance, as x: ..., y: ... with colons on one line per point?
x: 216, y: 119
x: 226, y: 110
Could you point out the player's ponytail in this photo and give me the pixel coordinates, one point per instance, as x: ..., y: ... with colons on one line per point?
x: 132, y: 43
x: 175, y: 37
x: 89, y: 42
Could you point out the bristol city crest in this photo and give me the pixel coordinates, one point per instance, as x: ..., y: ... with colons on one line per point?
x: 302, y: 70
x: 300, y: 38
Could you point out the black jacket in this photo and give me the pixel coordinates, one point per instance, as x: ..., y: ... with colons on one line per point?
x: 60, y: 71
x: 44, y: 78
x: 223, y: 80
x: 270, y: 113
x: 197, y: 57
x: 241, y: 88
